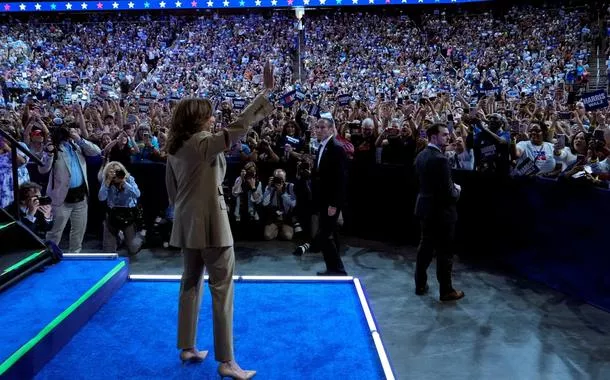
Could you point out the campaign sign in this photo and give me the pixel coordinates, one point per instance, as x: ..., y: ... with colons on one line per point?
x: 496, y: 91
x: 314, y: 110
x: 344, y: 99
x: 525, y: 168
x: 239, y: 104
x: 300, y: 95
x: 288, y: 99
x: 595, y: 100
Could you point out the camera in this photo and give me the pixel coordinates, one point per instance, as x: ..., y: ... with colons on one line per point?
x: 249, y: 175
x: 277, y: 181
x: 120, y: 174
x: 44, y: 200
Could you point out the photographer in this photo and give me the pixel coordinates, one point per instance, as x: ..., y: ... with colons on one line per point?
x: 279, y: 201
x: 121, y: 193
x: 35, y: 210
x: 248, y: 193
x: 68, y: 186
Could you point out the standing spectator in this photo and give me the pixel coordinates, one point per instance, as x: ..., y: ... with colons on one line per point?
x: 537, y: 150
x: 436, y: 208
x: 6, y: 179
x: 491, y: 145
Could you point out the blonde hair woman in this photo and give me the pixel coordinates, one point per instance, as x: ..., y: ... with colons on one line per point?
x: 195, y: 171
x: 120, y: 192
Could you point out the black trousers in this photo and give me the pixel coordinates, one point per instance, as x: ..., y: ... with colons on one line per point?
x: 435, y: 236
x: 327, y: 241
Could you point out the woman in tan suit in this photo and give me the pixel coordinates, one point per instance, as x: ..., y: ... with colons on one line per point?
x: 195, y: 171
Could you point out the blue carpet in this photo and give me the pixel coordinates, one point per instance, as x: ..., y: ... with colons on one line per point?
x: 31, y: 304
x: 282, y: 330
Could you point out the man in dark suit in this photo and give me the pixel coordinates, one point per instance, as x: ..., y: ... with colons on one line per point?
x: 328, y: 189
x: 436, y: 209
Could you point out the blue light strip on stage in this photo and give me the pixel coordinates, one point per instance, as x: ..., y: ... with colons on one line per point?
x: 114, y: 5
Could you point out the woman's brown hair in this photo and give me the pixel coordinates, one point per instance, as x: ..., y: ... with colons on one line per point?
x: 189, y: 116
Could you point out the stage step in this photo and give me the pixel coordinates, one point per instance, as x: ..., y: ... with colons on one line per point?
x: 44, y: 311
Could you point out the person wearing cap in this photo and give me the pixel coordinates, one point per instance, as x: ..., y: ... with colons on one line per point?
x: 329, y: 185
x: 492, y: 145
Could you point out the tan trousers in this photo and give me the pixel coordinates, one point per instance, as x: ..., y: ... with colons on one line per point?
x: 220, y: 264
x: 76, y: 213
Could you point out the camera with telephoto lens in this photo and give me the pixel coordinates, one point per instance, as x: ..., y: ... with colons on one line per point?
x: 44, y: 200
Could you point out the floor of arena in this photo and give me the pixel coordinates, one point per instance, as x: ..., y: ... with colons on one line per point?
x: 505, y: 328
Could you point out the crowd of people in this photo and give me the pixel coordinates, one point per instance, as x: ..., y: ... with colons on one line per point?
x: 507, y: 86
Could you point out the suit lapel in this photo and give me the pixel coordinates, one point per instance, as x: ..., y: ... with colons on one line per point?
x: 66, y: 159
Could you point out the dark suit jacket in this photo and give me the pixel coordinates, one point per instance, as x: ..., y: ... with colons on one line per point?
x: 437, y: 196
x: 40, y: 226
x: 330, y: 179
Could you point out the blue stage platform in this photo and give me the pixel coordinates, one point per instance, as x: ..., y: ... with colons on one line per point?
x: 297, y: 328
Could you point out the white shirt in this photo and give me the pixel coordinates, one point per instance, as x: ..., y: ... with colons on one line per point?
x: 435, y: 147
x: 28, y: 216
x: 542, y: 155
x: 321, y: 149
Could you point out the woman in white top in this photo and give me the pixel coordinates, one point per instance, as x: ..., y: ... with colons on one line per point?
x: 537, y: 150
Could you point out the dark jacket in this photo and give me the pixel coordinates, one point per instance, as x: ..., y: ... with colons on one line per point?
x: 39, y: 226
x: 329, y: 181
x: 437, y: 196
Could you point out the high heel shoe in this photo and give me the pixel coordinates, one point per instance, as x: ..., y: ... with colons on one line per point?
x: 225, y: 371
x: 193, y: 356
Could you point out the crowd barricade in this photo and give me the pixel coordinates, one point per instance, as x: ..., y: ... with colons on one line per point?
x: 555, y: 232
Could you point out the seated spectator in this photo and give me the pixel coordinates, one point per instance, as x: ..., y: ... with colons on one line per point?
x: 120, y: 192
x: 279, y: 202
x: 34, y: 209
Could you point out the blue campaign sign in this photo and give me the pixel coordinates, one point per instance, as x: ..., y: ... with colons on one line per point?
x: 122, y: 5
x: 595, y: 100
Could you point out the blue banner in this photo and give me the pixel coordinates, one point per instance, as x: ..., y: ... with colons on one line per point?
x: 595, y: 100
x: 115, y: 5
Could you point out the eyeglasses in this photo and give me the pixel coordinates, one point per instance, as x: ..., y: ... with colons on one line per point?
x: 535, y: 131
